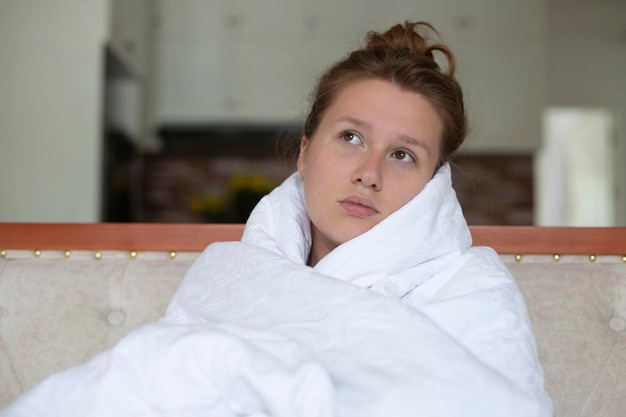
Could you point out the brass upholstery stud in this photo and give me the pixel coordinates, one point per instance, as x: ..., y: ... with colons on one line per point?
x: 592, y: 258
x: 557, y: 257
x: 37, y: 253
x: 518, y: 258
x: 173, y: 254
x: 67, y: 253
x: 3, y: 254
x: 133, y: 254
x: 624, y: 258
x: 97, y: 256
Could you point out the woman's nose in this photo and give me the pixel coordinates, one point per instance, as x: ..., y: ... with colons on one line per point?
x: 369, y: 172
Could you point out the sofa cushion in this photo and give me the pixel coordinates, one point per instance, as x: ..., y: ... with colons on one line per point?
x: 57, y: 311
x: 576, y: 306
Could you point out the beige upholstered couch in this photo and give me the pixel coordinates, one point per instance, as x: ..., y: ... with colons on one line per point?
x: 69, y: 291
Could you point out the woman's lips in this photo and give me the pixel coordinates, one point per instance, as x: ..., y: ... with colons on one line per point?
x: 358, y: 206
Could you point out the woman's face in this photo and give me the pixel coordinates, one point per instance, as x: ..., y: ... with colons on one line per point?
x: 375, y: 149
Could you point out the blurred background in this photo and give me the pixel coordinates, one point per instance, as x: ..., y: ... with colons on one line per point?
x: 178, y: 111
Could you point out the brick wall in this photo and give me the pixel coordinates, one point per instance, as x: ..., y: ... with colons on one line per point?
x: 495, y: 189
x: 492, y: 189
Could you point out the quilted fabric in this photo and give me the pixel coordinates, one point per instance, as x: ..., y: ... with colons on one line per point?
x: 56, y: 312
x: 572, y: 304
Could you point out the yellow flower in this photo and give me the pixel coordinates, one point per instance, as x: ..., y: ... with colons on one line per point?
x: 254, y: 183
x: 204, y: 204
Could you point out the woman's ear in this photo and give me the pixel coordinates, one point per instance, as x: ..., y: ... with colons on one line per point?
x: 304, y: 142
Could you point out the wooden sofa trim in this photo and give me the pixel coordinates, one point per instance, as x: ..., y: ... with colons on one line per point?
x: 195, y: 237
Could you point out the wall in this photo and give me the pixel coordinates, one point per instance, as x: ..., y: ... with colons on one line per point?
x: 50, y: 93
x: 586, y: 67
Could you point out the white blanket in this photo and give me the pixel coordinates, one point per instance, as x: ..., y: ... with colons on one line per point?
x: 253, y: 331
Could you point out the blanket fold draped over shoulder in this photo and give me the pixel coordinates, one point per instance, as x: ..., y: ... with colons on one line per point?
x: 253, y: 331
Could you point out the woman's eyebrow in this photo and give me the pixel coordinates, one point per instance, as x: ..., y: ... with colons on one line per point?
x: 415, y: 142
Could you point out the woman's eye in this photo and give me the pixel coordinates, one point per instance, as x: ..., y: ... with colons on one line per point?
x: 352, y: 137
x: 403, y: 156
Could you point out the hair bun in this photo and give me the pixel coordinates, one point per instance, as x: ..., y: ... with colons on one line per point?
x: 413, y: 37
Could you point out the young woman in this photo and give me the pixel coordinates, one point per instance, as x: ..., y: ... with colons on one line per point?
x: 354, y: 291
x: 376, y: 188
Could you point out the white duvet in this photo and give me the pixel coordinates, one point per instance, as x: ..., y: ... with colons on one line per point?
x: 405, y: 320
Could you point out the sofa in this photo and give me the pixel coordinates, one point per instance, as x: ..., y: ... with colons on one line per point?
x: 69, y: 291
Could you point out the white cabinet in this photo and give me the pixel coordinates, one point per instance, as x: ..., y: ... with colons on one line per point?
x: 239, y: 63
x: 129, y: 71
x: 129, y: 33
x: 245, y: 60
x: 505, y: 74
